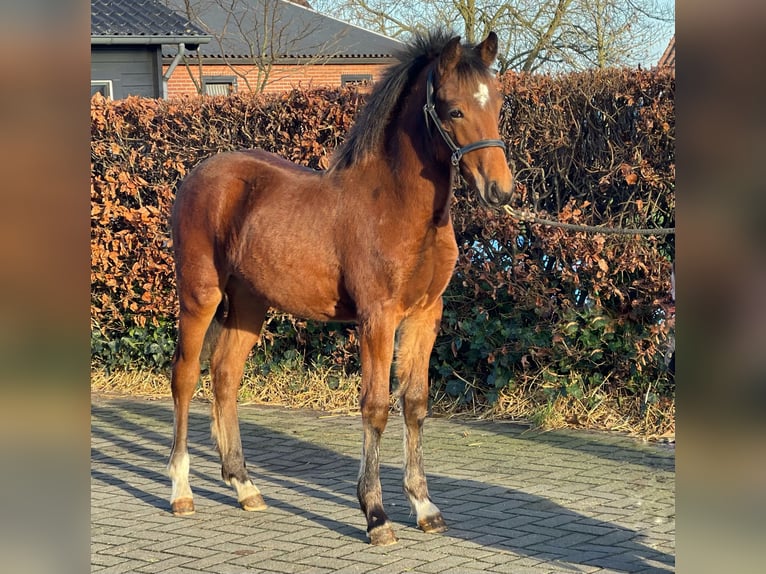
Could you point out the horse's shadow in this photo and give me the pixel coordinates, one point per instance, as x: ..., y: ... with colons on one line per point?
x: 280, y: 461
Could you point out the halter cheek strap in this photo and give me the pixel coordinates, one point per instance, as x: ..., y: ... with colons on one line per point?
x: 429, y: 111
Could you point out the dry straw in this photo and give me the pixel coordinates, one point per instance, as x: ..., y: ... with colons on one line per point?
x: 320, y: 389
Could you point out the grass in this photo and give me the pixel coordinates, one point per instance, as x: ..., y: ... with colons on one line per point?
x: 318, y: 389
x: 323, y: 389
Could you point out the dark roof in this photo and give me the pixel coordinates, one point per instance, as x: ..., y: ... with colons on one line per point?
x: 281, y: 29
x: 141, y: 22
x: 668, y: 59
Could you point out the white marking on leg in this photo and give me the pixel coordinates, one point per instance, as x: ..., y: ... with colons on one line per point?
x: 482, y: 96
x: 178, y: 470
x: 424, y: 509
x: 361, y: 463
x: 245, y: 489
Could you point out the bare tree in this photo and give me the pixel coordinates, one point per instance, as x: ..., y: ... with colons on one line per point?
x: 545, y: 35
x: 256, y: 35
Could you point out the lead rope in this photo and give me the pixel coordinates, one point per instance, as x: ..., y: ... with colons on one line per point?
x: 529, y: 217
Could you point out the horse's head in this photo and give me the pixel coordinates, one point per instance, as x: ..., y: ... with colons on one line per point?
x: 463, y: 102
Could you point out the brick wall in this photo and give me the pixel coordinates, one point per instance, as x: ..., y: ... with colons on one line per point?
x: 281, y: 78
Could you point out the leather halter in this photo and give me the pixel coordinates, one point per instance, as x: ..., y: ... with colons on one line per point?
x: 429, y: 111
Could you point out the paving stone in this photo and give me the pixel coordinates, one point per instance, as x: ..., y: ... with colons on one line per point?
x: 166, y: 564
x: 515, y: 501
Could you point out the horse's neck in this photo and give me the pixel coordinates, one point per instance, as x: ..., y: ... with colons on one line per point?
x: 424, y: 183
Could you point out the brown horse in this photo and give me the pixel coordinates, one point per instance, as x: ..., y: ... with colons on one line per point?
x: 370, y: 240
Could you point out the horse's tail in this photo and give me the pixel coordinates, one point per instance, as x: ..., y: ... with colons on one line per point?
x: 214, y: 330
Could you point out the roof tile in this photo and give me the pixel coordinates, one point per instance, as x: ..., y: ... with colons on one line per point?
x: 138, y: 18
x: 286, y: 30
x: 668, y: 58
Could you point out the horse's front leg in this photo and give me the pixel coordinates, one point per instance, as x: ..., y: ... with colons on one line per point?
x: 416, y: 339
x: 377, y: 348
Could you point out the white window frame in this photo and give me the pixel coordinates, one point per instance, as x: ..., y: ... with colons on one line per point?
x: 355, y: 79
x: 109, y: 95
x: 230, y: 81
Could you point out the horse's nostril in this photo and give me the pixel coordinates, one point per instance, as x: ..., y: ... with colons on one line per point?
x: 495, y: 194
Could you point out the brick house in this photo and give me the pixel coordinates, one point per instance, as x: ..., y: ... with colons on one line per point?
x: 668, y: 58
x: 127, y: 38
x: 273, y: 46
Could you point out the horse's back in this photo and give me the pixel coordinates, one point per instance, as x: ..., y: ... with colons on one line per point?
x: 227, y: 177
x: 268, y: 221
x: 218, y: 194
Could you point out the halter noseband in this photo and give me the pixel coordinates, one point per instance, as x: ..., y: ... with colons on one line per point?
x: 429, y: 111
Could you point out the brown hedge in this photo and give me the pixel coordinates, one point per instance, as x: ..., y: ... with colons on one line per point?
x: 594, y: 147
x: 140, y: 151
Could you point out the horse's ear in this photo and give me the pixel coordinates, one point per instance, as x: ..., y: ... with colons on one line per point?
x: 450, y: 56
x: 488, y: 49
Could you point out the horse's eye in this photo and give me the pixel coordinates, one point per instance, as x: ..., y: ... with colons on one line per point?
x: 455, y: 114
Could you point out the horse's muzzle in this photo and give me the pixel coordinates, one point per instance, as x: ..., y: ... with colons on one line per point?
x: 495, y: 196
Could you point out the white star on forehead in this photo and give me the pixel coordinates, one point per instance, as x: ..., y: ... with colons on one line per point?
x: 482, y: 96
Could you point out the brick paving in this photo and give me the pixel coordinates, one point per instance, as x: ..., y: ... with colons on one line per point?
x: 515, y: 500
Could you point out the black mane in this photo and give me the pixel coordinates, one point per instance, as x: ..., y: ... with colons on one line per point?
x: 367, y: 133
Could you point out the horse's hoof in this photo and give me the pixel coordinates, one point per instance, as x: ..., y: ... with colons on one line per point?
x: 433, y: 524
x: 182, y: 507
x: 252, y: 503
x: 382, y: 535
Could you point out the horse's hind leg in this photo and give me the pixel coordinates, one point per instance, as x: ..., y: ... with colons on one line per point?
x: 196, y: 315
x: 240, y: 334
x: 417, y: 334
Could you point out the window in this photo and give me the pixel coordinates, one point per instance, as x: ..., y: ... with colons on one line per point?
x: 355, y: 79
x: 103, y: 87
x: 219, y: 85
